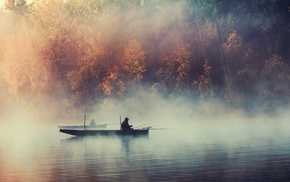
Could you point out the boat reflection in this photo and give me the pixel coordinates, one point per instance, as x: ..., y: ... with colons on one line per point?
x: 117, y: 137
x: 112, y: 144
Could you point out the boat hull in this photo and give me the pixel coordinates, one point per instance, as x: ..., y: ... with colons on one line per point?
x: 82, y: 126
x: 103, y: 132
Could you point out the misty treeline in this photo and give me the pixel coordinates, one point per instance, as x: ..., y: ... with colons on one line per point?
x: 75, y: 54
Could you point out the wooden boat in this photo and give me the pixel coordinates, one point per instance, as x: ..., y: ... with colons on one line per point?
x: 103, y: 125
x: 92, y: 125
x: 133, y: 132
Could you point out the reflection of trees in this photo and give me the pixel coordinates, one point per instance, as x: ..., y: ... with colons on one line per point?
x: 96, y: 49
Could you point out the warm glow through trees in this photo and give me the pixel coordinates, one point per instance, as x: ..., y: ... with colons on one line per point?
x: 81, y: 52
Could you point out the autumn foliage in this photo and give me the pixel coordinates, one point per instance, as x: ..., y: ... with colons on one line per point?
x: 79, y: 53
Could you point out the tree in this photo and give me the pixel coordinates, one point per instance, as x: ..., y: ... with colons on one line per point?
x: 275, y: 79
x: 10, y: 4
x: 232, y: 49
x: 174, y: 70
x: 203, y: 84
x: 85, y: 78
x: 112, y: 84
x: 67, y: 41
x: 134, y: 58
x: 26, y: 74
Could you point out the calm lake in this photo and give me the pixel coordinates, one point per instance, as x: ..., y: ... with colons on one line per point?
x: 211, y: 151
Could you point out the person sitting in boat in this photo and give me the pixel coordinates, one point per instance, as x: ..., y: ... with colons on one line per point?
x: 93, y: 123
x: 125, y: 125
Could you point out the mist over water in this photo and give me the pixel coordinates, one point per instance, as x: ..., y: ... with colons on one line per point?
x: 203, y: 141
x: 210, y: 150
x: 216, y: 98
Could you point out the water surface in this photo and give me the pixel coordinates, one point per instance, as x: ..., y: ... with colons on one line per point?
x: 199, y: 152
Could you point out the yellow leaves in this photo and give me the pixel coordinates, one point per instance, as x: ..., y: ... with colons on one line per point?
x: 64, y: 20
x: 47, y: 14
x: 25, y: 73
x: 10, y: 4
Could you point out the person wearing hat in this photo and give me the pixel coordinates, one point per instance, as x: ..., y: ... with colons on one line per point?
x: 125, y: 125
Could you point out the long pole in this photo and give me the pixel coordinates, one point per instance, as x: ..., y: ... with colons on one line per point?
x: 120, y: 121
x: 140, y: 126
x: 85, y: 121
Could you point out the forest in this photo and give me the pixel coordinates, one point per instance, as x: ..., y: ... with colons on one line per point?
x: 77, y: 54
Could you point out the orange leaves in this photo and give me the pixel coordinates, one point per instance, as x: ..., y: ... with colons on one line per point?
x: 275, y: 76
x: 233, y: 44
x: 107, y: 87
x: 174, y: 68
x: 134, y: 58
x: 203, y: 84
x: 275, y: 69
x: 112, y: 84
x: 75, y: 79
x: 183, y: 58
x: 25, y: 73
x: 92, y: 54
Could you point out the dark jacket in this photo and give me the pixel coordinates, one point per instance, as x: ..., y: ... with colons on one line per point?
x: 125, y: 125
